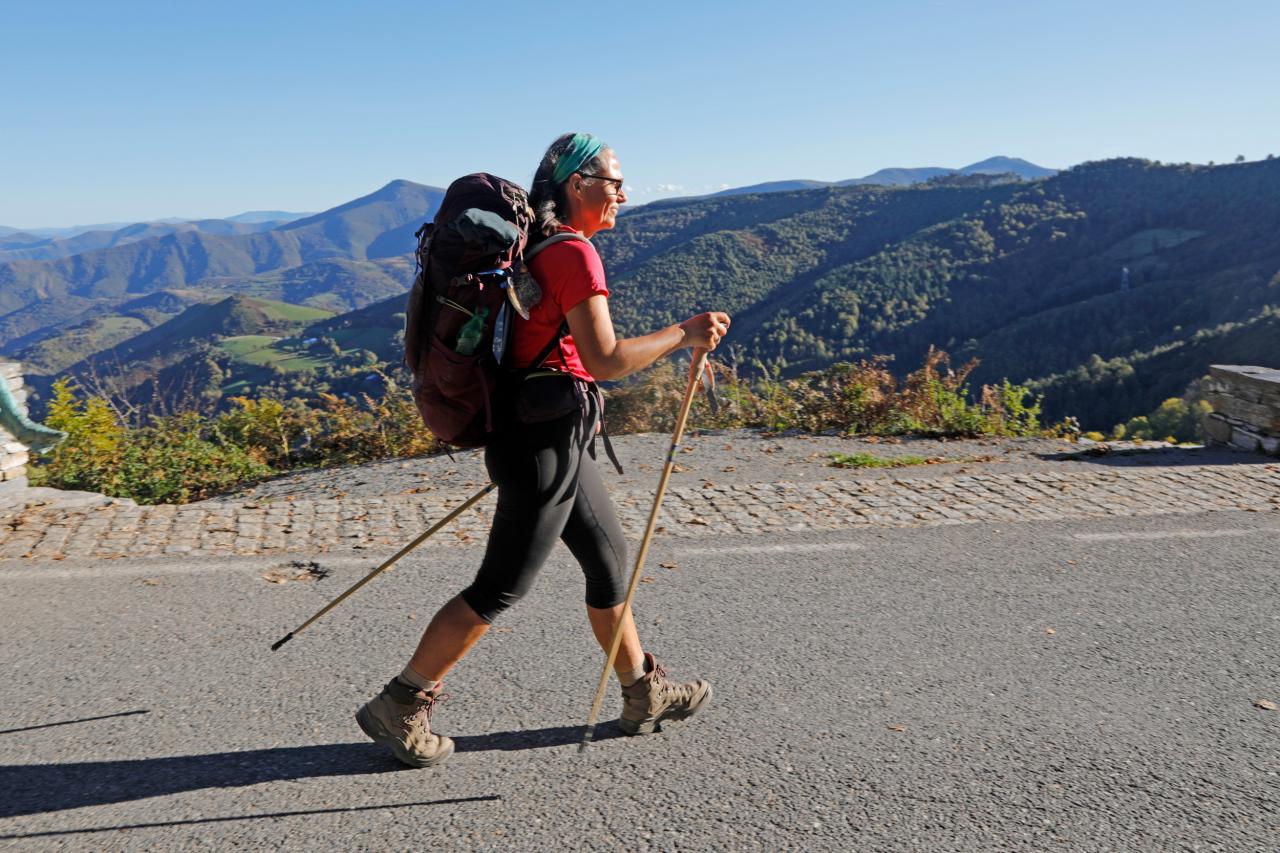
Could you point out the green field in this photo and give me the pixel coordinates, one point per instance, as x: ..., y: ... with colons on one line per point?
x: 375, y: 338
x: 262, y: 350
x: 286, y: 312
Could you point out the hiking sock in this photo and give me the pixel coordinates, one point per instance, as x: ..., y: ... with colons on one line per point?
x: 417, y: 682
x: 629, y: 678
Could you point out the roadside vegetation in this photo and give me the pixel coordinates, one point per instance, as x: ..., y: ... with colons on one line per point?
x: 176, y: 458
x: 1177, y: 420
x: 866, y: 460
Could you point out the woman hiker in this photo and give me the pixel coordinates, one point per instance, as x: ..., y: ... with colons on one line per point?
x: 548, y: 485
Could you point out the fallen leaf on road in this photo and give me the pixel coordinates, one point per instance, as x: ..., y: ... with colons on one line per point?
x: 728, y: 469
x: 151, y: 581
x: 668, y: 565
x: 707, y: 484
x: 297, y: 570
x: 678, y: 468
x: 1264, y: 704
x: 696, y: 520
x: 1071, y: 562
x: 646, y: 579
x: 1050, y: 631
x: 897, y: 728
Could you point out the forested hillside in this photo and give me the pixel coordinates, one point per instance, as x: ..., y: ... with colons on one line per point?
x: 1108, y: 287
x: 1028, y: 277
x: 38, y: 299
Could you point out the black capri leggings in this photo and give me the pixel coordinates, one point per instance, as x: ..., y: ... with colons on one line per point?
x: 548, y: 488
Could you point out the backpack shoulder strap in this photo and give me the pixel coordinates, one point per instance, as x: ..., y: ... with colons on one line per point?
x: 563, y: 331
x: 551, y: 241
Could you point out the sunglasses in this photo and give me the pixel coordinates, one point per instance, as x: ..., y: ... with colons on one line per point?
x: 617, y: 182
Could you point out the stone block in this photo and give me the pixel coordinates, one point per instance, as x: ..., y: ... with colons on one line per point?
x: 1260, y: 416
x: 13, y: 447
x: 1216, y: 429
x: 10, y: 369
x: 1270, y: 445
x: 14, y: 473
x: 1245, y: 439
x: 1258, y: 379
x: 13, y: 460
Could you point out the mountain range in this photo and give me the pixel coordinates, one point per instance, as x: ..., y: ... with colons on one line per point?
x: 1108, y: 286
x: 904, y: 177
x: 249, y: 216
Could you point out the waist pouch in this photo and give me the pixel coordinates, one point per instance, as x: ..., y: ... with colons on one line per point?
x: 547, y: 395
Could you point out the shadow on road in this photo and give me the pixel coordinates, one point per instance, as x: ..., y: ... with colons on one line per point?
x: 37, y: 788
x: 1159, y: 457
x: 73, y: 722
x: 534, y: 738
x: 40, y: 788
x: 166, y: 823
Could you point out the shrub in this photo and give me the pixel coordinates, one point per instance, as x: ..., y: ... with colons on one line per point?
x: 1176, y: 420
x: 87, y: 458
x: 851, y: 398
x: 172, y: 460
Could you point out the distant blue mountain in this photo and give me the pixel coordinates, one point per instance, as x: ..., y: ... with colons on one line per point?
x: 998, y: 165
x: 903, y: 176
x: 21, y: 246
x: 257, y: 217
x: 250, y: 217
x: 775, y: 187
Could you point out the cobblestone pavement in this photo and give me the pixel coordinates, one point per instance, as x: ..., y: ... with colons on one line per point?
x: 303, y: 525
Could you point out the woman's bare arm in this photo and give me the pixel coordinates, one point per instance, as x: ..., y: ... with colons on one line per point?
x: 606, y: 357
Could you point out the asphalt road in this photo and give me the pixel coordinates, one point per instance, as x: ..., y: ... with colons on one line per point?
x: 1075, y: 686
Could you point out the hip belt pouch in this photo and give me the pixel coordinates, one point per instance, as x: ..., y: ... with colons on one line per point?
x: 547, y: 395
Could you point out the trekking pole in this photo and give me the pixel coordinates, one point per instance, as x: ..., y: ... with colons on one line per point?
x: 466, y: 505
x: 695, y: 375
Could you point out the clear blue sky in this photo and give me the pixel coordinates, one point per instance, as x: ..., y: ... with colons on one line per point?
x: 141, y: 110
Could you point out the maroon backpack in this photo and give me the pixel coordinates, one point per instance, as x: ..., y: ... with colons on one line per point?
x: 470, y: 284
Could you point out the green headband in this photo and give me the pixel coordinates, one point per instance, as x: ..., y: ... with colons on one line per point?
x: 581, y: 148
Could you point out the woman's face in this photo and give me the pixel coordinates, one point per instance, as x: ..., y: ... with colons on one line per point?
x: 595, y: 202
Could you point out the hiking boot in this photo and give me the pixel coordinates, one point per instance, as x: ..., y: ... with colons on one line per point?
x: 655, y: 698
x: 400, y: 717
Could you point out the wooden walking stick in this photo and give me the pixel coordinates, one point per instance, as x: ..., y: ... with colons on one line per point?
x: 695, y: 375
x: 466, y: 505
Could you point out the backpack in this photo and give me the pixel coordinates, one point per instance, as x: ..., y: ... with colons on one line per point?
x: 470, y: 283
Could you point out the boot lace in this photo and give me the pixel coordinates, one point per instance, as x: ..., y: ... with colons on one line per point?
x: 682, y: 692
x: 423, y: 706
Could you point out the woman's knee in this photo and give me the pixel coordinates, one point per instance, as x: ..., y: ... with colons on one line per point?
x: 489, y: 602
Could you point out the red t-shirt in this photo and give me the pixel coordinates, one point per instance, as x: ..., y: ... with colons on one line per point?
x: 568, y: 273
